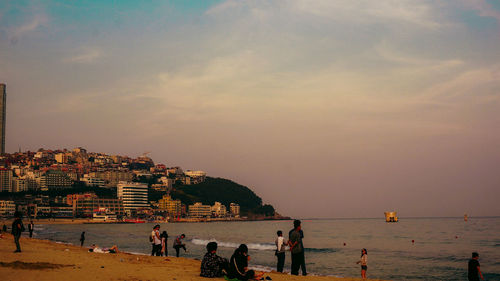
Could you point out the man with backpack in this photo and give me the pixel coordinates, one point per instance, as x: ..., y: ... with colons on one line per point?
x: 155, y: 241
x: 17, y: 229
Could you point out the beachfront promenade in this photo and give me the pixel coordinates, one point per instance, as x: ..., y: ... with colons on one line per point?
x: 43, y: 260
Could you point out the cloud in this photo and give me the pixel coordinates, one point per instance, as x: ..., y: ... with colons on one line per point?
x: 483, y: 8
x: 416, y: 13
x: 31, y: 26
x: 85, y: 56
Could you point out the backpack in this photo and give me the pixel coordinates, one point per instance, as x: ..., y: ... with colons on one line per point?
x: 151, y: 238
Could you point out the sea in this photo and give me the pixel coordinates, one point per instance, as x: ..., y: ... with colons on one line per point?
x: 411, y: 249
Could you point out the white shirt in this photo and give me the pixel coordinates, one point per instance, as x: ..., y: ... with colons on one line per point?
x: 279, y: 243
x: 156, y: 240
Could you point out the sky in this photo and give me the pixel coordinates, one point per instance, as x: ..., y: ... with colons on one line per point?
x: 326, y: 109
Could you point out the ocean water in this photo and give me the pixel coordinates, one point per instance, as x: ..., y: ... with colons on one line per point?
x: 441, y: 249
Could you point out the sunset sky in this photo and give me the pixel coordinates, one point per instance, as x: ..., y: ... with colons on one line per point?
x: 323, y: 108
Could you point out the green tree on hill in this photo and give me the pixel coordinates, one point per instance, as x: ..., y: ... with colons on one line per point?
x: 224, y: 191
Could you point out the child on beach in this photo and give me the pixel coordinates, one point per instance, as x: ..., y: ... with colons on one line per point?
x: 363, y: 260
x: 280, y: 251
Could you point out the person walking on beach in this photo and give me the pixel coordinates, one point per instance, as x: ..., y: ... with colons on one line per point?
x: 178, y: 244
x: 280, y: 251
x: 156, y: 240
x: 297, y: 248
x: 82, y: 238
x: 31, y: 227
x: 17, y: 229
x: 362, y: 261
x: 474, y: 271
x: 164, y: 238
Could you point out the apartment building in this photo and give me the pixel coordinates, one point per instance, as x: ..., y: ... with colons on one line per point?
x: 198, y: 210
x: 169, y: 205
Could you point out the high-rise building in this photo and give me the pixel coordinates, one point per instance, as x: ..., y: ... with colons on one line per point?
x: 134, y: 196
x: 55, y: 179
x: 5, y: 180
x: 3, y: 102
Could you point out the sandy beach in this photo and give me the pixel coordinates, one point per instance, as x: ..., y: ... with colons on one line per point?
x: 45, y: 260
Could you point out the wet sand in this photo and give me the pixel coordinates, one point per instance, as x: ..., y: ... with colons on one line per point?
x: 45, y: 260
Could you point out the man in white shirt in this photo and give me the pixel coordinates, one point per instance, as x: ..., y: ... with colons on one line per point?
x: 280, y: 251
x: 156, y: 241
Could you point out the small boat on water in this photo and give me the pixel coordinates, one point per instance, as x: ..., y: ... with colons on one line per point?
x: 391, y: 217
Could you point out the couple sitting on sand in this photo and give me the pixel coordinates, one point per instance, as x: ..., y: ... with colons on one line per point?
x: 236, y: 269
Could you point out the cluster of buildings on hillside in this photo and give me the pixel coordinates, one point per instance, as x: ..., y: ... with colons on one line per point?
x: 47, y: 170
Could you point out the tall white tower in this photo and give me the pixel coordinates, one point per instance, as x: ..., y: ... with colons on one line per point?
x: 3, y: 103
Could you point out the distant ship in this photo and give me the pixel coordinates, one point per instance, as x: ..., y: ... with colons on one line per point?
x: 391, y: 217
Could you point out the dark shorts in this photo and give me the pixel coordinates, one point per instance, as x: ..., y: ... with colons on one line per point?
x: 364, y: 267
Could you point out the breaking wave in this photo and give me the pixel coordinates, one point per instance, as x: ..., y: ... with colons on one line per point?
x: 251, y: 246
x: 257, y: 246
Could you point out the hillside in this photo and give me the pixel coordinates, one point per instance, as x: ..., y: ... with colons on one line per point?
x: 224, y: 191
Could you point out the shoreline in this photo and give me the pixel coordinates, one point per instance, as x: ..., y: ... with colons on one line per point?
x: 8, y: 221
x: 52, y: 260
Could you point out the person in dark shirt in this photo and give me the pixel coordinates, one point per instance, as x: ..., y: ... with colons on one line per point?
x: 31, y: 227
x: 178, y: 244
x: 212, y: 265
x: 82, y: 239
x: 474, y: 271
x: 164, y: 240
x: 238, y: 265
x: 17, y: 229
x: 295, y: 237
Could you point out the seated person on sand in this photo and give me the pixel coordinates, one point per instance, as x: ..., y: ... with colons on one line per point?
x: 238, y: 266
x: 95, y: 249
x: 213, y: 265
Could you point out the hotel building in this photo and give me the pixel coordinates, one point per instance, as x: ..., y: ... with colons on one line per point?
x: 134, y: 196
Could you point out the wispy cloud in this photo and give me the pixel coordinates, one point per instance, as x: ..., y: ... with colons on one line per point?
x: 28, y: 27
x: 85, y: 56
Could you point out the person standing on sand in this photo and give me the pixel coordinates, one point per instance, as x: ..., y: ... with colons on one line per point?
x: 362, y: 261
x: 178, y: 244
x: 280, y: 251
x: 164, y: 248
x: 82, y: 239
x: 17, y: 229
x: 474, y: 271
x: 155, y: 234
x: 295, y: 237
x: 31, y: 227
